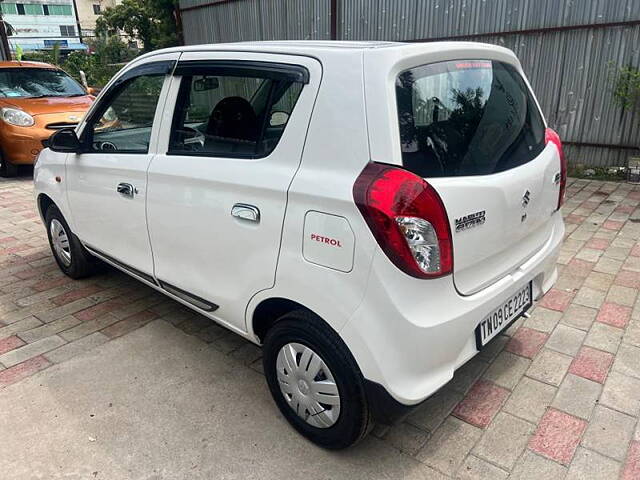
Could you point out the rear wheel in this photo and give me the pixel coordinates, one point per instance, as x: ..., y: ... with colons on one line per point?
x: 315, y: 381
x: 7, y: 169
x: 72, y: 258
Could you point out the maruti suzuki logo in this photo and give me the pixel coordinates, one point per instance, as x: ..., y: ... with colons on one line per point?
x: 526, y: 198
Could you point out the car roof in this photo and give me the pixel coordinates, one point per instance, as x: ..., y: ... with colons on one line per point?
x: 17, y: 64
x: 327, y: 48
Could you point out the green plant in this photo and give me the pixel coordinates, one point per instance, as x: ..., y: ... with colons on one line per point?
x: 151, y: 21
x: 626, y: 87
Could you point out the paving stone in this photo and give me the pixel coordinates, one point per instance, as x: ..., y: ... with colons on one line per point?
x: 628, y: 360
x: 532, y: 466
x: 577, y: 396
x: 504, y: 441
x: 588, y: 465
x: 73, y: 349
x: 566, y: 340
x: 406, y: 438
x: 632, y: 465
x: 493, y: 348
x: 622, y: 393
x: 526, y: 342
x: 557, y: 436
x: 543, y: 319
x: 615, y: 315
x: 591, y: 364
x: 507, y: 370
x: 608, y: 265
x: 632, y: 333
x: 599, y: 281
x: 604, y: 337
x: 475, y: 468
x: 589, y: 297
x: 580, y: 267
x: 49, y: 329
x: 549, y: 367
x: 622, y: 295
x: 609, y: 433
x: 22, y: 370
x: 589, y: 255
x: 579, y: 317
x: 530, y: 399
x: 30, y: 350
x: 129, y: 324
x: 10, y: 343
x: 556, y: 300
x: 435, y: 409
x: 20, y: 326
x: 450, y: 444
x: 88, y: 327
x: 481, y: 403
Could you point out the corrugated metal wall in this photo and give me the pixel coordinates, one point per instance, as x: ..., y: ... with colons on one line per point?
x: 569, y: 68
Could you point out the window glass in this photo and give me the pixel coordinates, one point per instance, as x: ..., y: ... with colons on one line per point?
x: 60, y: 10
x: 20, y: 8
x: 231, y: 115
x: 472, y: 117
x: 67, y: 30
x: 33, y: 9
x: 96, y: 9
x: 125, y: 121
x: 37, y: 82
x: 8, y: 8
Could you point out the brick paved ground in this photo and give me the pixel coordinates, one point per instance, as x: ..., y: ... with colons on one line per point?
x: 557, y: 396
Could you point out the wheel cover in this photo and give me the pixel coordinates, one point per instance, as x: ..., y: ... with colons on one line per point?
x: 308, y: 385
x: 60, y: 242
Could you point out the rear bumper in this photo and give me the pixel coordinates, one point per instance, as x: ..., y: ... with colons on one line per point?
x: 409, y: 336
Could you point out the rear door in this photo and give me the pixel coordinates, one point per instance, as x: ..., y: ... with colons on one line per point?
x: 473, y: 129
x: 218, y: 187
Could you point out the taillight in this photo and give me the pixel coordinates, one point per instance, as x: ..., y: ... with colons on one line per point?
x: 551, y: 136
x: 407, y: 218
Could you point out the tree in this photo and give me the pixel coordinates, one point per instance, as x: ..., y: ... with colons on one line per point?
x: 151, y: 21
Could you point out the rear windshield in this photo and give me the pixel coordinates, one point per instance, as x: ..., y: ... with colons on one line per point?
x: 466, y: 117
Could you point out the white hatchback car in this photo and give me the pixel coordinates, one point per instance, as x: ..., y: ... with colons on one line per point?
x: 372, y: 214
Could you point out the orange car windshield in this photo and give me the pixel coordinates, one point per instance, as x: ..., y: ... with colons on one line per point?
x: 37, y: 83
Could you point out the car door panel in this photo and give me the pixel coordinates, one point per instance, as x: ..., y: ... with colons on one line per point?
x: 215, y: 222
x: 106, y: 219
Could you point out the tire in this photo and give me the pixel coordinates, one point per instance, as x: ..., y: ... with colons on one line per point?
x: 7, y: 169
x: 78, y: 263
x: 327, y: 427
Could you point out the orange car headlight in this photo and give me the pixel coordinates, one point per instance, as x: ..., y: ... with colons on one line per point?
x: 14, y: 116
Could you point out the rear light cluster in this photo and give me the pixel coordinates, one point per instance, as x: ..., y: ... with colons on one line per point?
x: 407, y: 218
x: 551, y: 136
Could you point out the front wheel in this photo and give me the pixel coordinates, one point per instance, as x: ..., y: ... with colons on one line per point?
x: 7, y: 169
x: 315, y: 381
x: 72, y: 258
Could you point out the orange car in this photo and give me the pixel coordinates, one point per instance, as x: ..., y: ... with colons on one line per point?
x: 36, y: 99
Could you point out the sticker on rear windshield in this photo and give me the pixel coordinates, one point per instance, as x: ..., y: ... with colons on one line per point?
x: 469, y: 221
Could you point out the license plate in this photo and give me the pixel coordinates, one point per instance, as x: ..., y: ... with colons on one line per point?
x: 503, y: 316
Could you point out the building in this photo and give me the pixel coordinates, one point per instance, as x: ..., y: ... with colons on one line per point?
x: 88, y: 13
x: 41, y: 24
x: 568, y: 48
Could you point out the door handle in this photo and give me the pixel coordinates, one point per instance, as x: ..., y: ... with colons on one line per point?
x: 126, y: 190
x: 246, y: 212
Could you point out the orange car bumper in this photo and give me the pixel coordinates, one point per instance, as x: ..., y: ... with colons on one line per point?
x: 21, y: 145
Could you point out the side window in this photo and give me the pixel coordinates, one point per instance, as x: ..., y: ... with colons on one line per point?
x: 124, y: 122
x: 231, y: 115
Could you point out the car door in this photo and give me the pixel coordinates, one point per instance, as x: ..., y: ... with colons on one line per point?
x: 106, y: 182
x: 218, y: 186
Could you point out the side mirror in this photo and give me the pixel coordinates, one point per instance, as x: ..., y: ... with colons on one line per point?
x: 65, y: 140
